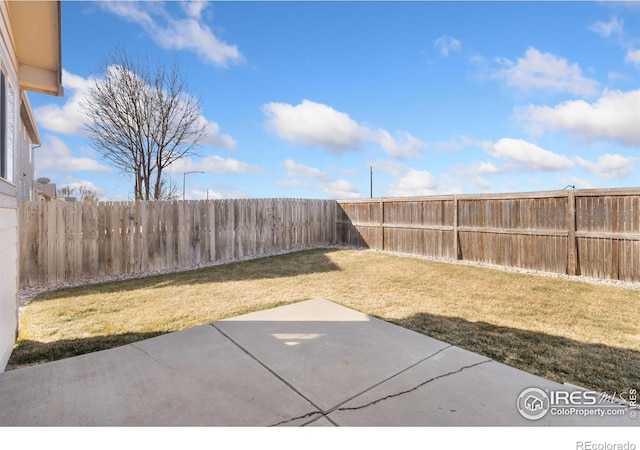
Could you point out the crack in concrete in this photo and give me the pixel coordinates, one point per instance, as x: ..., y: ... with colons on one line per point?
x: 319, y: 412
x: 183, y: 374
x: 397, y: 394
x: 304, y: 416
x: 163, y: 364
x: 271, y: 371
x: 390, y: 377
x: 326, y: 414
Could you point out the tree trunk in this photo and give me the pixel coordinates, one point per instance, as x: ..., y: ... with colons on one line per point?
x: 157, y: 189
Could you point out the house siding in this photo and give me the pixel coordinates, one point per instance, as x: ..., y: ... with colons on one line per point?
x: 9, y: 198
x: 17, y: 135
x: 24, y: 172
x: 9, y: 271
x: 9, y: 234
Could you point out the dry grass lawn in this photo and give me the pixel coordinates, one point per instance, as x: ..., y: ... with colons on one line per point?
x: 565, y: 330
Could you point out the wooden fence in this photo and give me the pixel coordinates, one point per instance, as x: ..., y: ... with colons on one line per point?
x: 62, y: 242
x: 593, y: 233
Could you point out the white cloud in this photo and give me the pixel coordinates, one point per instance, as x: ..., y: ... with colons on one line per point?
x: 614, y: 116
x: 545, y: 71
x: 189, y: 33
x: 446, y: 44
x: 580, y: 183
x: 407, y: 180
x: 485, y: 168
x: 608, y: 29
x: 214, y: 138
x: 203, y: 194
x: 615, y: 28
x: 341, y: 189
x: 393, y: 168
x: 455, y: 144
x: 291, y: 184
x: 192, y: 35
x: 68, y: 118
x: 297, y: 170
x: 404, y: 147
x: 213, y: 164
x: 75, y: 82
x: 311, y: 123
x: 528, y: 156
x: 481, y: 183
x: 218, y: 165
x: 414, y: 182
x: 77, y: 183
x: 482, y: 168
x: 609, y: 166
x: 303, y: 176
x: 345, y: 171
x: 633, y: 56
x: 194, y: 9
x: 55, y: 154
x: 615, y: 76
x: 316, y: 124
x: 475, y: 173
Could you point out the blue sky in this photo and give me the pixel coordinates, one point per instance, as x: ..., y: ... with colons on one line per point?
x: 302, y: 98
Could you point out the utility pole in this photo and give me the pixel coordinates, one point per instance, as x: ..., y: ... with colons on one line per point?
x: 371, y: 181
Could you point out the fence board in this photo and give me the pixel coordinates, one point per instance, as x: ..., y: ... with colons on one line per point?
x: 594, y: 233
x: 63, y: 242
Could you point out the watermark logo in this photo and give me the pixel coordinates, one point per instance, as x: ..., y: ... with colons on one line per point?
x: 533, y: 403
x: 588, y: 445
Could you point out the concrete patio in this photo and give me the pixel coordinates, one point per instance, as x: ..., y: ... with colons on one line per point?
x: 314, y: 363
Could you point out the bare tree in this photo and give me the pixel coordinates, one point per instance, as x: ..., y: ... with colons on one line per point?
x: 85, y: 193
x: 141, y: 120
x: 169, y: 189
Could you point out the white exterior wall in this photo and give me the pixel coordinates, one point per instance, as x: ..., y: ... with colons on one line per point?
x: 8, y: 200
x: 34, y: 29
x: 8, y: 271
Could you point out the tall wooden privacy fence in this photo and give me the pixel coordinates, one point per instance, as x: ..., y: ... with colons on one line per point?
x: 594, y: 233
x: 61, y: 242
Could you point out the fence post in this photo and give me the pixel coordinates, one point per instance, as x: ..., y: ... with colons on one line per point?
x: 381, y: 224
x: 456, y: 248
x: 571, y: 236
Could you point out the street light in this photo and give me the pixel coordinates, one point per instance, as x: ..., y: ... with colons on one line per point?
x: 184, y: 179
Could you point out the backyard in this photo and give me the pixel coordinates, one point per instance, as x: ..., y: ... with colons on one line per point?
x: 565, y: 330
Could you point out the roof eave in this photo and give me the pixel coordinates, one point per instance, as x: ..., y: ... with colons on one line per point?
x: 43, y: 81
x: 38, y: 42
